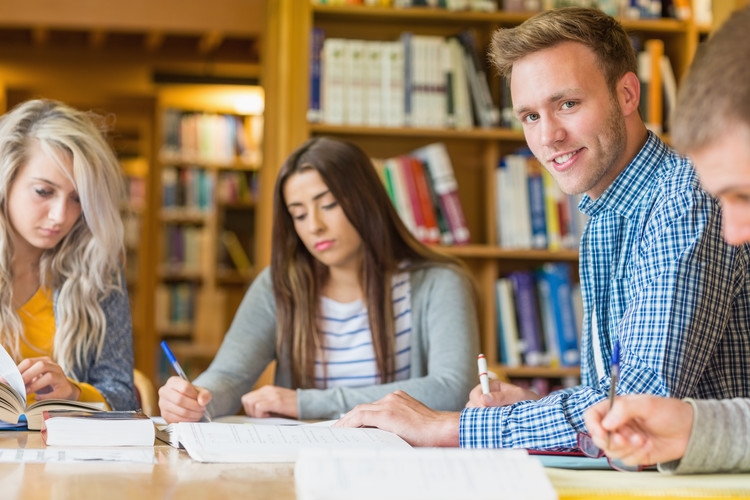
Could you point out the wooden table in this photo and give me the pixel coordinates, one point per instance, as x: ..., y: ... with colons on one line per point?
x: 173, y: 476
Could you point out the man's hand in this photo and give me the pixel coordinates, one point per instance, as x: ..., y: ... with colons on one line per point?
x: 501, y: 394
x: 644, y: 429
x: 403, y: 415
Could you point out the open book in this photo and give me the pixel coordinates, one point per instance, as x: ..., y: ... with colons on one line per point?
x: 13, y: 398
x: 238, y: 443
x: 420, y: 473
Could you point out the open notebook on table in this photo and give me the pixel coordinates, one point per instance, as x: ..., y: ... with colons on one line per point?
x: 13, y: 398
x: 224, y: 442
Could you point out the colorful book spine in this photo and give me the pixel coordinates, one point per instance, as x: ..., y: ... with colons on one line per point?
x: 317, y: 35
x: 527, y: 310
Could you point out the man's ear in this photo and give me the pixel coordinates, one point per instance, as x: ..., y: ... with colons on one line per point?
x: 629, y: 93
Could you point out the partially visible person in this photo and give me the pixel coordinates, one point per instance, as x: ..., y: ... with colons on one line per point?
x: 711, y: 124
x: 353, y: 306
x: 64, y: 311
x: 656, y: 275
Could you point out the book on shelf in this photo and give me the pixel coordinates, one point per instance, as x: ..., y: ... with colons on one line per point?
x: 531, y: 210
x: 420, y: 473
x: 440, y: 169
x: 509, y: 352
x: 527, y: 312
x: 237, y: 254
x: 13, y: 408
x: 317, y: 36
x: 242, y: 443
x: 553, y: 280
x: 416, y: 81
x: 102, y: 428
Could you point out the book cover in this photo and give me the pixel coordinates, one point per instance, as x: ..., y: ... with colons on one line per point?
x: 103, y: 428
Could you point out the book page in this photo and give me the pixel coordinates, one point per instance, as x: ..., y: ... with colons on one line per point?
x: 9, y: 372
x: 420, y: 473
x: 216, y: 442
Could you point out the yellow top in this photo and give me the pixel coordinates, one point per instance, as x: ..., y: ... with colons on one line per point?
x: 38, y: 320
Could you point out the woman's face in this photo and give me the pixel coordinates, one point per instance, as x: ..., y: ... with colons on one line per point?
x: 43, y: 204
x: 321, y: 223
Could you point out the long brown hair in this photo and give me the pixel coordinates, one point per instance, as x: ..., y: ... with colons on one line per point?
x: 298, y: 277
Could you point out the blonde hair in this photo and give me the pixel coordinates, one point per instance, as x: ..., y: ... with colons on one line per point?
x: 715, y: 94
x: 84, y: 267
x: 590, y: 27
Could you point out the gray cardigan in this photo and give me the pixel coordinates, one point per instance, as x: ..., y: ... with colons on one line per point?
x: 444, y: 346
x: 719, y: 440
x: 112, y: 373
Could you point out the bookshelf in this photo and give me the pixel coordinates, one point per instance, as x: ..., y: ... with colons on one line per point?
x: 209, y: 155
x: 475, y: 152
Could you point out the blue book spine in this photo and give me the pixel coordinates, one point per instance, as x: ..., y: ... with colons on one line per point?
x: 527, y: 310
x: 317, y: 36
x: 558, y: 276
x: 536, y: 209
x: 408, y: 78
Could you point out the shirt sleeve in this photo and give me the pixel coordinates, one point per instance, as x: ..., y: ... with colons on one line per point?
x: 719, y: 440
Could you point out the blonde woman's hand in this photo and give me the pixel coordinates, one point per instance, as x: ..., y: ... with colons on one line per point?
x: 271, y: 401
x: 46, y: 378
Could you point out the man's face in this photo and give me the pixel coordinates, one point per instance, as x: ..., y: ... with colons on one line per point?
x: 724, y: 170
x: 572, y: 122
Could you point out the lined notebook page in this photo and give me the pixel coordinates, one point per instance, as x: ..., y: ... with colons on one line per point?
x: 420, y: 473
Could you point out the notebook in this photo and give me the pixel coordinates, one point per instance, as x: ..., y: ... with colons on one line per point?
x: 420, y: 473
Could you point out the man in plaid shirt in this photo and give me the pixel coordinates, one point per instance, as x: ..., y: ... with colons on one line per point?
x: 656, y: 274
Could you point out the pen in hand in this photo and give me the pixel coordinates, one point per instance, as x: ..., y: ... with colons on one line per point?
x: 180, y: 372
x: 614, y: 374
x: 484, y: 380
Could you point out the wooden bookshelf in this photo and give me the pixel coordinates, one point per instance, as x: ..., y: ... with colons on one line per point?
x: 475, y: 152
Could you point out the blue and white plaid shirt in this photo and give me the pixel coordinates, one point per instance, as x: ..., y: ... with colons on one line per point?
x: 657, y: 274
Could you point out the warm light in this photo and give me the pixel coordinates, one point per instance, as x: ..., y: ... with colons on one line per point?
x: 249, y: 103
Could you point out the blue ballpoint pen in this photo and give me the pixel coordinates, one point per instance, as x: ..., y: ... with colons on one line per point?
x: 180, y: 372
x: 614, y: 374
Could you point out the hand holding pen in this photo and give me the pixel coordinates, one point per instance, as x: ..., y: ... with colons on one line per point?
x: 180, y: 372
x: 614, y: 374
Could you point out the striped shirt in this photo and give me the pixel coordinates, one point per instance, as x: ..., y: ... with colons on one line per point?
x: 348, y: 354
x: 657, y: 274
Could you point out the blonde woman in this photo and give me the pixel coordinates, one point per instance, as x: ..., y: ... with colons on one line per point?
x: 64, y: 312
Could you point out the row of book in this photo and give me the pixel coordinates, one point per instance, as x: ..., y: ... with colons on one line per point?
x: 211, y: 137
x: 539, y: 317
x: 417, y: 81
x: 531, y: 210
x: 627, y: 9
x: 658, y: 83
x: 189, y: 188
x: 423, y: 188
x: 182, y: 245
x: 237, y: 187
x: 476, y: 5
x: 174, y: 305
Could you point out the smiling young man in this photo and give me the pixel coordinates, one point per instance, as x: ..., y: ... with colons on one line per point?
x: 655, y: 273
x: 711, y: 124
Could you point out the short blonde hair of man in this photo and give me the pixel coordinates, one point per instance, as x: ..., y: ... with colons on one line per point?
x: 590, y: 27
